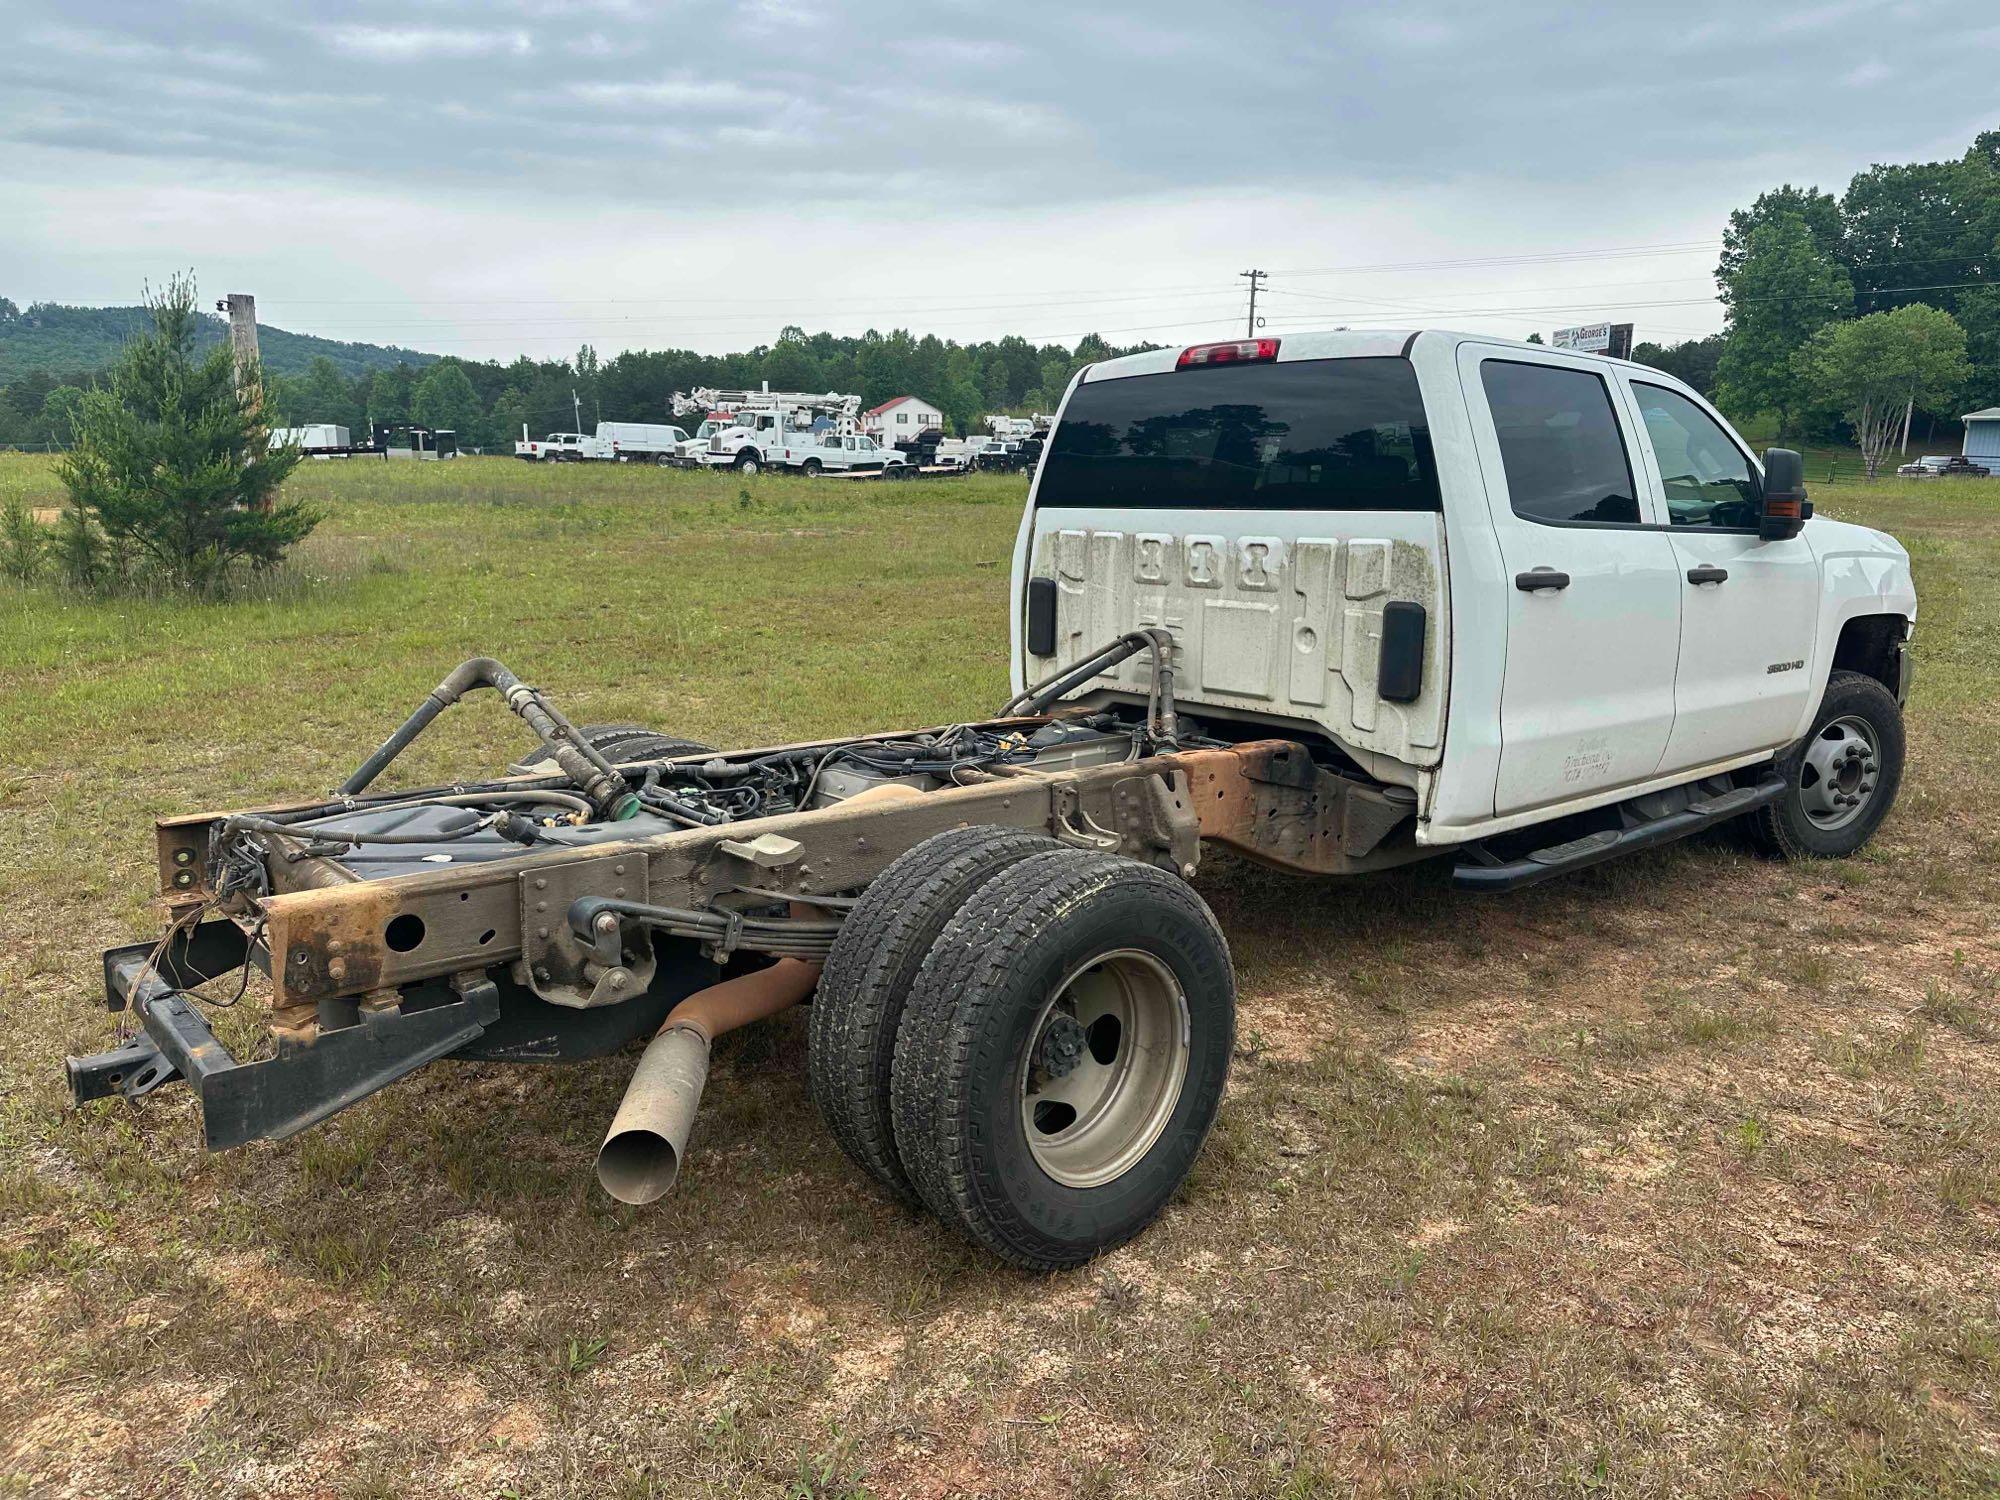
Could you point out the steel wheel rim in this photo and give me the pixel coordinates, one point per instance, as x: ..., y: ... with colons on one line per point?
x: 1840, y: 772
x: 1105, y: 1066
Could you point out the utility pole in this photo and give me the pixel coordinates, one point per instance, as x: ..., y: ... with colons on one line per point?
x: 242, y: 310
x: 1254, y: 278
x: 576, y: 402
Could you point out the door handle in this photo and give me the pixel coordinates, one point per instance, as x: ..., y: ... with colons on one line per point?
x: 1707, y: 575
x: 1536, y: 581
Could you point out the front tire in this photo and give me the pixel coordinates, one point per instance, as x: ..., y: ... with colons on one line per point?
x: 747, y: 463
x: 1062, y: 1056
x: 1841, y: 779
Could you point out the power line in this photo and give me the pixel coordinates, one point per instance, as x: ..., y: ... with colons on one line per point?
x: 758, y: 318
x: 1945, y: 286
x: 1622, y: 252
x: 1116, y: 293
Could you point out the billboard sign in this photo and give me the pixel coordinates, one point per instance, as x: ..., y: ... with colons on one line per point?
x: 1614, y: 339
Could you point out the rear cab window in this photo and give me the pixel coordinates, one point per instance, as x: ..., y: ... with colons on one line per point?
x: 1325, y: 434
x: 1560, y: 443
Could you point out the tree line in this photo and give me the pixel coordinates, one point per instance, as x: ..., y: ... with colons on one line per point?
x: 489, y: 403
x: 1840, y: 310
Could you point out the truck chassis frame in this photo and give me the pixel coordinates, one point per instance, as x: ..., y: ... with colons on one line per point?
x: 572, y: 953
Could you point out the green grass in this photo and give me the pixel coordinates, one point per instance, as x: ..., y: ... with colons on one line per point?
x: 1679, y: 1177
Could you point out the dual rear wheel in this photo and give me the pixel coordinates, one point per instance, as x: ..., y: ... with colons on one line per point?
x: 1029, y: 1040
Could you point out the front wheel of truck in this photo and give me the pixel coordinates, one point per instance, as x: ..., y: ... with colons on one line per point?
x: 1062, y: 1056
x: 1841, y: 779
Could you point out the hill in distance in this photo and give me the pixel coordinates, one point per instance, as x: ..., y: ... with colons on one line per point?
x: 48, y: 336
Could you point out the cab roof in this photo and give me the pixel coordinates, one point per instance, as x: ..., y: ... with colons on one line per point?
x: 1335, y: 343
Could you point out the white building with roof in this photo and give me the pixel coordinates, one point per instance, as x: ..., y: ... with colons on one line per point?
x: 900, y: 418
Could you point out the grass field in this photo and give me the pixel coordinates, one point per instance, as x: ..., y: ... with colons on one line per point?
x: 1678, y: 1177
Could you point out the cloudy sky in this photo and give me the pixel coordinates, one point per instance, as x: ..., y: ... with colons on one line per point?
x: 493, y: 178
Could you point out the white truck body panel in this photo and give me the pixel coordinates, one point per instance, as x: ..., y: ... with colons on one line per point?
x: 312, y: 435
x: 640, y: 439
x: 1278, y: 616
x: 1534, y: 703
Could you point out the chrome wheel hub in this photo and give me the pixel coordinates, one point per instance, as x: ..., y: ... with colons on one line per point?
x: 1105, y: 1068
x: 1838, y: 777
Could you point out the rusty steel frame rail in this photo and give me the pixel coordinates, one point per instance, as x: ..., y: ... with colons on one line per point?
x: 328, y: 935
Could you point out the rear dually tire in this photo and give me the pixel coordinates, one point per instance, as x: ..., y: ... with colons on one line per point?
x: 1062, y: 1056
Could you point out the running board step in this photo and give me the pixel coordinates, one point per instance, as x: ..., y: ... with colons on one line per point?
x: 1484, y: 872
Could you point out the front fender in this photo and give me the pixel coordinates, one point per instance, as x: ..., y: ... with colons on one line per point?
x: 1863, y: 573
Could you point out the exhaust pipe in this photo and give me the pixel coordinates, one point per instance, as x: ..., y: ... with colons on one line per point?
x: 642, y: 1152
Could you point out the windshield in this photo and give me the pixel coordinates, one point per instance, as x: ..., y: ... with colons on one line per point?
x: 1328, y: 434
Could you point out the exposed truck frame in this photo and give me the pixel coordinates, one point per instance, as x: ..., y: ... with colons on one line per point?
x: 1022, y: 1015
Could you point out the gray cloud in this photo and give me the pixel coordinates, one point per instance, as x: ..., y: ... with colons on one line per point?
x: 489, y: 176
x: 751, y: 97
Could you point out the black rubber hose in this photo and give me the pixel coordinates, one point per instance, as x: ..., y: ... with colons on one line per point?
x: 654, y: 796
x: 324, y: 835
x: 580, y: 761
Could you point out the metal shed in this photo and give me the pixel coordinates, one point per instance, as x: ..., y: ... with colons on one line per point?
x: 1982, y: 436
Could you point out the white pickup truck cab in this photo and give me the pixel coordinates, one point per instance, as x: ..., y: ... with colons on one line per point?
x: 564, y: 447
x: 1517, y: 582
x: 840, y: 453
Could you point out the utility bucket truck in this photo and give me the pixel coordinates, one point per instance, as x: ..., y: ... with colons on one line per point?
x: 750, y: 431
x: 1336, y: 602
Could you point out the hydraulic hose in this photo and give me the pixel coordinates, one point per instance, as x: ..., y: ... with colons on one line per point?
x: 586, y: 767
x: 1161, y: 720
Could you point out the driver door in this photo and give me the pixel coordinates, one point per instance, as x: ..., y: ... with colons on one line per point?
x: 1749, y: 608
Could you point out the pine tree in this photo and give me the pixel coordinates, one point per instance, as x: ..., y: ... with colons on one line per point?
x: 173, y: 460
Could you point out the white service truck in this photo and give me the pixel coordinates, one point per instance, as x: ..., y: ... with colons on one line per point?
x: 563, y: 448
x: 1515, y: 583
x: 807, y: 433
x: 642, y: 442
x: 1337, y: 603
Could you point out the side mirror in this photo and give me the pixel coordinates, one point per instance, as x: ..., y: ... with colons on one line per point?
x: 1785, y: 507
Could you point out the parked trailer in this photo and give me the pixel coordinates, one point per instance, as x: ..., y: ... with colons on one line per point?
x: 314, y: 439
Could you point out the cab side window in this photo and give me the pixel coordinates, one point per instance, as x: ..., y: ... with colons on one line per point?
x: 1707, y: 479
x: 1559, y: 439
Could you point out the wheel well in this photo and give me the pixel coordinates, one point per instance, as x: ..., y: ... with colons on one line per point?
x: 1868, y: 644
